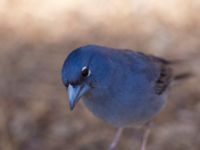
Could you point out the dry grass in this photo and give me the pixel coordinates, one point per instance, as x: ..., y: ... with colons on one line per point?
x: 35, y: 38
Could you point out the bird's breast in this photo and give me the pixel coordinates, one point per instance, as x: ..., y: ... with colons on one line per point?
x: 120, y: 112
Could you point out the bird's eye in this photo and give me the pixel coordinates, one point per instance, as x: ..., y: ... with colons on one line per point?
x: 85, y: 72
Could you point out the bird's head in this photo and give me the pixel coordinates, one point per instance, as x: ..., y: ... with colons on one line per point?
x: 83, y: 71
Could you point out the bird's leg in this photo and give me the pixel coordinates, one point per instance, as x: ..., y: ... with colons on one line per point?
x: 145, y: 136
x: 116, y: 139
x: 145, y: 139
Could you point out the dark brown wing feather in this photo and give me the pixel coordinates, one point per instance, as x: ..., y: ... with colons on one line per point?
x: 165, y: 75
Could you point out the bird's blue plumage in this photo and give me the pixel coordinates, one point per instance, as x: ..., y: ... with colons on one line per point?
x: 123, y: 83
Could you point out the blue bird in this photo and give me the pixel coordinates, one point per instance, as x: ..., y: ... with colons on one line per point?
x: 122, y: 87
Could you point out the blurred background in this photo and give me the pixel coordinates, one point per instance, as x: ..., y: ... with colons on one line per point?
x: 35, y: 38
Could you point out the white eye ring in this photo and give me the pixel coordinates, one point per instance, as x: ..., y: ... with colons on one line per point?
x: 87, y: 74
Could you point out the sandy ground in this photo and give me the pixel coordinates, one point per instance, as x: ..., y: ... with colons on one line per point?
x: 35, y: 38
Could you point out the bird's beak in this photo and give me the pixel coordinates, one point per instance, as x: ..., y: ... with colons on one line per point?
x: 75, y: 93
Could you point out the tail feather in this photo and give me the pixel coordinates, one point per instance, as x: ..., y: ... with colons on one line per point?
x: 183, y: 76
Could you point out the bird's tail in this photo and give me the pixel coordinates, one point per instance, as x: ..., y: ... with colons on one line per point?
x: 183, y: 76
x: 181, y: 69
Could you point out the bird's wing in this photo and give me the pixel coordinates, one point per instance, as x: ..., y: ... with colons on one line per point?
x: 157, y: 70
x: 165, y: 75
